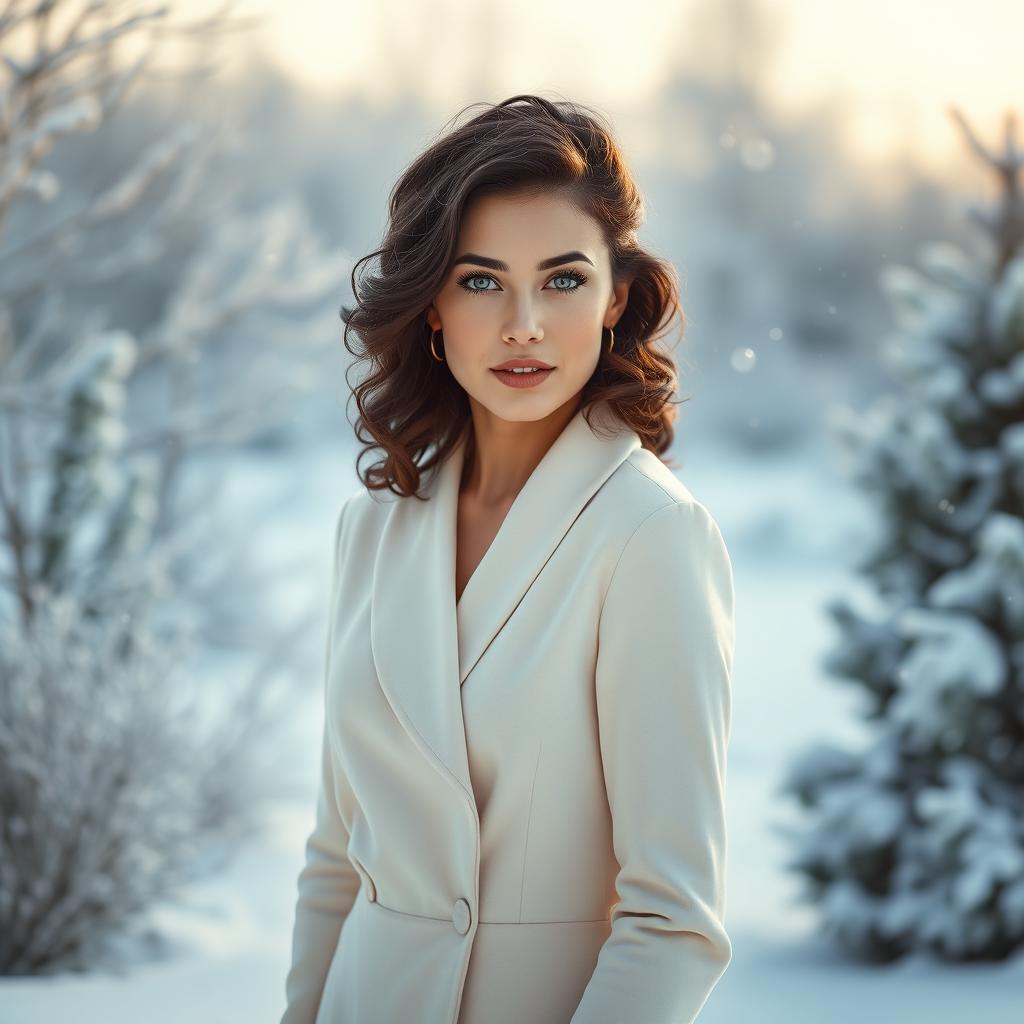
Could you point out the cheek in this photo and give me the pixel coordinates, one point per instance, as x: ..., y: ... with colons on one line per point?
x: 471, y: 318
x: 463, y: 329
x: 578, y: 337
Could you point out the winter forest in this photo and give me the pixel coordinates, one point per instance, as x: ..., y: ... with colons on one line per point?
x: 182, y: 202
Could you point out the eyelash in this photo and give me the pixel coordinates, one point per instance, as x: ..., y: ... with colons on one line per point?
x: 576, y: 275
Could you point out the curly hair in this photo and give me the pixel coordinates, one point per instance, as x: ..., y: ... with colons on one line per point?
x: 525, y: 145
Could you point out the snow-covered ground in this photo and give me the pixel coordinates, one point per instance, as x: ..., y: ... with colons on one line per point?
x: 788, y: 524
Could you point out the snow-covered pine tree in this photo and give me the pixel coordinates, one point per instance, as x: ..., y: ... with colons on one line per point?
x: 915, y: 843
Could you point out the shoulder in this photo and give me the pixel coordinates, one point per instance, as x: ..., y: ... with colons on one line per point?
x: 357, y: 525
x: 362, y: 511
x: 661, y: 539
x: 647, y: 503
x: 670, y: 563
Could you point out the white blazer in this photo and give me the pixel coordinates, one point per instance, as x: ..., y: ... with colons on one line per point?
x: 521, y: 807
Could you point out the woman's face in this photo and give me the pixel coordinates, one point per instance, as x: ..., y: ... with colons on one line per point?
x: 531, y: 280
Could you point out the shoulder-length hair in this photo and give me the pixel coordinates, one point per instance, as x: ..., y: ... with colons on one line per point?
x: 409, y: 402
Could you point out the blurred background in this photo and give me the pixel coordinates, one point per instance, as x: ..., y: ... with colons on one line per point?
x: 184, y: 189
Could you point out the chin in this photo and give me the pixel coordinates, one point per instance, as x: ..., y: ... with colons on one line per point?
x: 523, y: 412
x: 530, y: 408
x: 525, y: 405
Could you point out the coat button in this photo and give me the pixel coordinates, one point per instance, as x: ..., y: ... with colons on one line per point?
x: 461, y: 916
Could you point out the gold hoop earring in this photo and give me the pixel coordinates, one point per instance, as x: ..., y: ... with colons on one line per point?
x: 611, y: 342
x: 440, y: 359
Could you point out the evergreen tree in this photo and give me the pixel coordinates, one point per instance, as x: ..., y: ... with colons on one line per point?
x: 916, y: 841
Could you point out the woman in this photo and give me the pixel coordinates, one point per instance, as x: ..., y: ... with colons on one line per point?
x: 527, y: 698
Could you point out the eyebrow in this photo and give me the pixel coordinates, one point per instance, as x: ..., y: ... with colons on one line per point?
x: 554, y: 261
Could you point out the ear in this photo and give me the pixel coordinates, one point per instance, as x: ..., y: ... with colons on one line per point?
x: 620, y: 298
x: 433, y: 318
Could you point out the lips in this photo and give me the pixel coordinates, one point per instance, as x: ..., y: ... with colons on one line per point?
x: 515, y: 364
x: 523, y: 380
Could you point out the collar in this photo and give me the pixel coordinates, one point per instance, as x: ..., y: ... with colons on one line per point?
x: 425, y: 644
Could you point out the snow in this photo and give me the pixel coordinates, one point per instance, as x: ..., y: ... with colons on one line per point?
x: 1006, y: 309
x: 229, y: 943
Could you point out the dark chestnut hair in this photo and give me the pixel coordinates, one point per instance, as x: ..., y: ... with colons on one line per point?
x: 524, y: 145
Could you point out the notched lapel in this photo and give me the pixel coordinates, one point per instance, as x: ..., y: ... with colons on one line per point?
x: 423, y: 644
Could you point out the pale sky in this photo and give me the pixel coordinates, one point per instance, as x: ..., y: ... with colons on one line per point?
x: 901, y: 62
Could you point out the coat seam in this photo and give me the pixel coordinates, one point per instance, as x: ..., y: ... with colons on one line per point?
x: 529, y: 822
x: 661, y: 508
x: 507, y: 924
x: 655, y: 482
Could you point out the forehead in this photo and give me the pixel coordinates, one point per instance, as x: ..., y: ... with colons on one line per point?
x: 524, y: 229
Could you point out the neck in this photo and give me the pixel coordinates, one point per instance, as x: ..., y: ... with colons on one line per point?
x: 502, y: 454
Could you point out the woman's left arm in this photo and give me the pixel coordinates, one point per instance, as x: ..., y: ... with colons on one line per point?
x: 666, y: 642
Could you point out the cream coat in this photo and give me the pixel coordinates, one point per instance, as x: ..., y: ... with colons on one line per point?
x: 521, y: 807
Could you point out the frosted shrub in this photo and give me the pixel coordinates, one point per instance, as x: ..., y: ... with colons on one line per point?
x: 105, y: 770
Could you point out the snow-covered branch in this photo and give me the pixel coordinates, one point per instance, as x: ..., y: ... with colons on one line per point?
x: 111, y: 792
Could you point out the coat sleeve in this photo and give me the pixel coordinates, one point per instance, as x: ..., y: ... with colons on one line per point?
x: 665, y: 650
x: 328, y: 883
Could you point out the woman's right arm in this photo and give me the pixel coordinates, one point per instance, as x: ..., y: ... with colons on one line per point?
x: 328, y: 883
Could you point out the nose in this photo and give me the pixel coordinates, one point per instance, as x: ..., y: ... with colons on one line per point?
x: 524, y: 329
